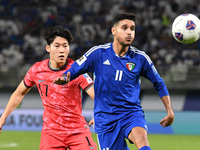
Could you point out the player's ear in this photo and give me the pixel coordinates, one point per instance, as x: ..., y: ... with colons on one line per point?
x: 47, y: 48
x: 113, y: 30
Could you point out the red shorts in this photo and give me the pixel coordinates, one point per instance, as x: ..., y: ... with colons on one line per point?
x: 81, y: 141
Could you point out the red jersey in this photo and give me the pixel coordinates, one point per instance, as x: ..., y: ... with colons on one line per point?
x: 62, y: 103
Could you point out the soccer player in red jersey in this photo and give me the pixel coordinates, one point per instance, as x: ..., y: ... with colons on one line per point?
x: 64, y: 127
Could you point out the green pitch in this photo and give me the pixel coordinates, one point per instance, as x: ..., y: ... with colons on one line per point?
x: 14, y: 140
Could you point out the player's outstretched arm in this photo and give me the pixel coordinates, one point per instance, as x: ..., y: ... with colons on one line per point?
x: 13, y: 102
x: 169, y: 119
x: 62, y: 80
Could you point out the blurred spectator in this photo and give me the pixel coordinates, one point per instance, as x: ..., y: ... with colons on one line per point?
x: 179, y: 71
x: 23, y: 23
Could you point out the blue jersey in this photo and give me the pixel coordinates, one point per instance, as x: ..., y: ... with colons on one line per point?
x: 117, y: 81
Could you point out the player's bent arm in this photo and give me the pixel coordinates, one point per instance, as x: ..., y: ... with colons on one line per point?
x: 90, y: 92
x: 13, y: 102
x: 169, y: 119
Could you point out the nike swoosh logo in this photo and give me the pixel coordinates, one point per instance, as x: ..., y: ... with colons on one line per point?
x: 92, y: 147
x: 41, y: 80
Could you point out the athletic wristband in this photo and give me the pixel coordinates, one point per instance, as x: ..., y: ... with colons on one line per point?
x: 65, y: 80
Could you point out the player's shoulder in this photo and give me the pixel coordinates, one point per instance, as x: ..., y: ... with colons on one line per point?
x: 69, y: 61
x: 140, y: 54
x: 99, y: 48
x: 103, y: 46
x: 136, y: 51
x: 40, y: 64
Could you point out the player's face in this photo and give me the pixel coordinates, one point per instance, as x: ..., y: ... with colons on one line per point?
x: 124, y: 32
x: 58, y: 51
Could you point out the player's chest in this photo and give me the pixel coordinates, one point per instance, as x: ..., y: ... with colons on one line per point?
x: 118, y: 69
x: 44, y: 82
x: 46, y: 77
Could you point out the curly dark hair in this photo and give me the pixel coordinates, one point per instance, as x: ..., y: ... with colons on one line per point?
x: 123, y: 16
x: 55, y: 31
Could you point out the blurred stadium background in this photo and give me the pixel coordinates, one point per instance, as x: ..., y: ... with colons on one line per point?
x: 23, y: 23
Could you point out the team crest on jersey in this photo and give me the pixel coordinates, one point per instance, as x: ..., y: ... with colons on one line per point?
x: 130, y: 66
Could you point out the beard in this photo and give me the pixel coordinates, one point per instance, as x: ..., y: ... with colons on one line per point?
x: 124, y: 42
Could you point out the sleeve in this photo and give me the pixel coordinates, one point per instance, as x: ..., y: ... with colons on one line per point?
x: 85, y: 64
x: 28, y: 79
x: 149, y: 71
x: 85, y: 81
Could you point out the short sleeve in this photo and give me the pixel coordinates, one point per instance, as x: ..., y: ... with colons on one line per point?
x: 85, y: 81
x: 28, y: 80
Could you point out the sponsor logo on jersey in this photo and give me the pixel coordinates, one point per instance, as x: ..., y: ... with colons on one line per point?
x: 106, y: 62
x: 86, y: 127
x: 41, y: 80
x: 81, y: 60
x: 130, y: 66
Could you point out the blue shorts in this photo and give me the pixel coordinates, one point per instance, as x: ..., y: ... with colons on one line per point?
x: 114, y: 138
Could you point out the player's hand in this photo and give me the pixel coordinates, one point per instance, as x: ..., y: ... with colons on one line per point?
x: 91, y: 122
x: 62, y: 80
x: 2, y: 122
x: 167, y: 121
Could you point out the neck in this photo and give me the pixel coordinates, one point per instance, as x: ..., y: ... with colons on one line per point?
x: 120, y: 49
x: 54, y: 65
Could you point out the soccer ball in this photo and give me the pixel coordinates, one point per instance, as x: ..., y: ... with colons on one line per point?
x: 186, y: 28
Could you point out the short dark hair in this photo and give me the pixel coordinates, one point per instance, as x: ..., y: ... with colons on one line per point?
x: 123, y: 16
x: 55, y: 31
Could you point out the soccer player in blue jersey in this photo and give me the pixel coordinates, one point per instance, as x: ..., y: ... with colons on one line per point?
x: 118, y: 67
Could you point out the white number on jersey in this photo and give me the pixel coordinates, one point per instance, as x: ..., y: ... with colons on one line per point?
x: 118, y: 76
